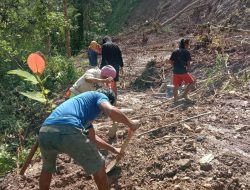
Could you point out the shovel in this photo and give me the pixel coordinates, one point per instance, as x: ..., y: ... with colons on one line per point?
x: 113, y: 163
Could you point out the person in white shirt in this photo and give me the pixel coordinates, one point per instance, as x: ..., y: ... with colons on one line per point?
x: 92, y: 77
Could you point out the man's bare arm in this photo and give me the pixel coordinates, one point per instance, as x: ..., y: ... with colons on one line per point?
x: 100, y: 143
x: 97, y: 80
x: 116, y: 115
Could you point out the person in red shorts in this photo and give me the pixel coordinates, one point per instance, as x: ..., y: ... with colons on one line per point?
x: 180, y: 61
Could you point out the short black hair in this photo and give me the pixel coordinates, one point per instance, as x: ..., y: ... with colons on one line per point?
x: 109, y: 93
x: 106, y: 39
x: 183, y: 42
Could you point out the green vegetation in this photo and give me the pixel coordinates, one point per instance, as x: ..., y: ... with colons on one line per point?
x: 120, y: 14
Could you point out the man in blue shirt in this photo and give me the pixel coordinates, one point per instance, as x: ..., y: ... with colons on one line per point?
x: 69, y: 129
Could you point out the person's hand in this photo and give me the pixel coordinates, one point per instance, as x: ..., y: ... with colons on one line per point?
x: 108, y: 80
x: 118, y: 152
x: 132, y: 128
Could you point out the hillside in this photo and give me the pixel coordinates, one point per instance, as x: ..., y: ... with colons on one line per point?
x: 216, y: 127
x: 217, y: 12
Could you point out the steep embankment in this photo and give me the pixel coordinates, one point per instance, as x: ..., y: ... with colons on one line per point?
x: 227, y: 12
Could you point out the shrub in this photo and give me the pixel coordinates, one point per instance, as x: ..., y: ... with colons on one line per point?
x: 60, y: 73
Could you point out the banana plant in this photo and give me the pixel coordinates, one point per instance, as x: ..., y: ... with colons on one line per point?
x: 36, y: 62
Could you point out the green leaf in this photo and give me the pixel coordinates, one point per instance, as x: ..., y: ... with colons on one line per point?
x: 46, y: 91
x: 24, y: 74
x: 38, y: 96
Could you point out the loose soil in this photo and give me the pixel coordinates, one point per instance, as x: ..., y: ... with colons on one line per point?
x: 169, y: 158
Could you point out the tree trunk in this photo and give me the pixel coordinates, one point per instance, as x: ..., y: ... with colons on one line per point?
x: 66, y: 30
x: 86, y: 22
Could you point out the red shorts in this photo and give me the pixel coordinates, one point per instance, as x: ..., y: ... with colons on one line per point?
x: 112, y: 86
x: 178, y: 79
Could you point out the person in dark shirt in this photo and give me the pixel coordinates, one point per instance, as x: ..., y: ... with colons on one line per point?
x: 111, y: 55
x: 180, y: 60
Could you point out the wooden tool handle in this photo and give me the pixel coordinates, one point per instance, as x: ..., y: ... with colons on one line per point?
x: 123, y: 147
x: 29, y: 158
x: 125, y: 144
x: 113, y: 163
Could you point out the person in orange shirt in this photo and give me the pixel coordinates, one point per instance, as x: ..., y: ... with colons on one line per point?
x: 93, y: 51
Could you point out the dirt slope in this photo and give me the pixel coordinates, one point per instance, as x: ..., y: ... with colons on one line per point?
x: 169, y: 158
x: 226, y: 12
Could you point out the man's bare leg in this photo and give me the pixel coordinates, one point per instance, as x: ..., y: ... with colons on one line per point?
x: 175, y: 90
x: 44, y: 181
x: 188, y: 88
x: 101, y: 179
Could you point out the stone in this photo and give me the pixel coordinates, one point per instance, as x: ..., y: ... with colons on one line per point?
x: 184, y: 163
x: 177, y: 187
x: 240, y: 128
x: 175, y: 178
x: 207, y: 158
x: 170, y: 173
x: 208, y: 186
x: 186, y: 178
x: 186, y: 128
x: 206, y: 166
x: 200, y: 138
x: 198, y: 129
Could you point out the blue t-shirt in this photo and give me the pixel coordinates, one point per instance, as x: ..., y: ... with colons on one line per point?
x: 78, y: 111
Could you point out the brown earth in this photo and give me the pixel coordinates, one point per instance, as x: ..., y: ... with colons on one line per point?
x: 169, y: 158
x: 217, y: 12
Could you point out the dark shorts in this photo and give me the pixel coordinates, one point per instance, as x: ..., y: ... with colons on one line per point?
x: 178, y: 79
x: 72, y: 141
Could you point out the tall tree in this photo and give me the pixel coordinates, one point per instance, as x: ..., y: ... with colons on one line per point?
x: 67, y: 28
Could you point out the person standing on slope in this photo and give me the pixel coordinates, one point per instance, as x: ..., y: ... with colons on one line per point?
x: 93, y: 51
x: 111, y: 55
x: 180, y: 61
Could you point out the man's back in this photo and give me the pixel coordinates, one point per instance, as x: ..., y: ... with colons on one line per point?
x: 111, y: 55
x: 77, y: 111
x: 180, y: 57
x: 81, y: 85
